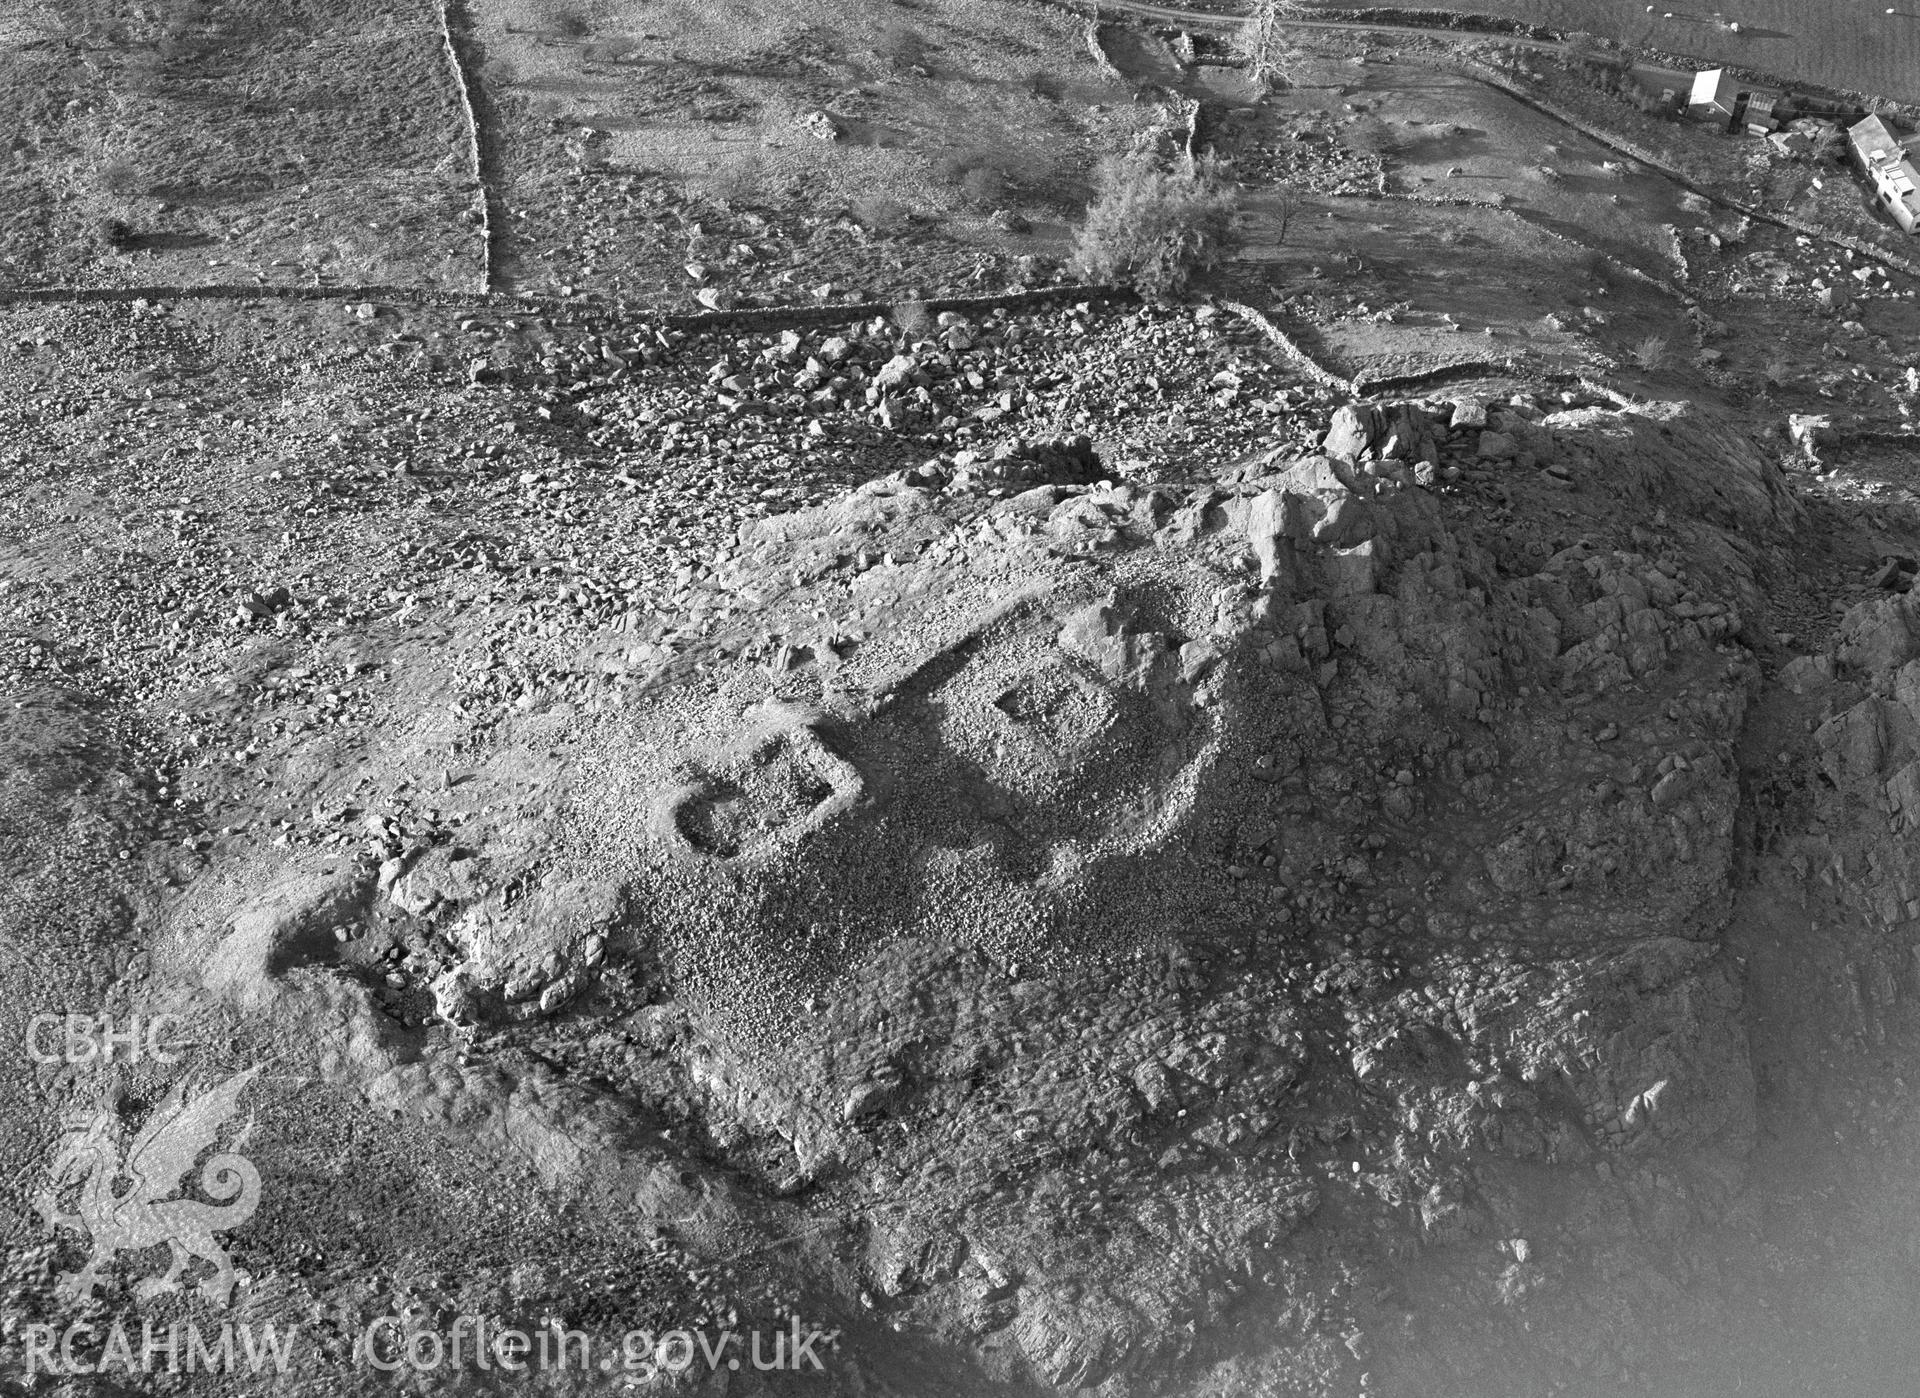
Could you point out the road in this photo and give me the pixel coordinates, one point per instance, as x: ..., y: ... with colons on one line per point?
x: 1219, y: 23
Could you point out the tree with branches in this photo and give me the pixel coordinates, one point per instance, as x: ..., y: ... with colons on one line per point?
x: 1260, y: 43
x: 1155, y: 229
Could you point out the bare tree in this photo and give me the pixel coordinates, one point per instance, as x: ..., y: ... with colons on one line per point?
x: 1286, y: 204
x: 1258, y: 40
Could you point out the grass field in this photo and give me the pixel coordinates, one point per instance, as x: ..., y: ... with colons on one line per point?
x: 1850, y: 44
x: 280, y: 140
x: 942, y: 114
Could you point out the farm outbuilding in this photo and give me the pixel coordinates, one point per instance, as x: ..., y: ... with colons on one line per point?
x: 1884, y: 162
x: 1798, y: 106
x: 1714, y: 96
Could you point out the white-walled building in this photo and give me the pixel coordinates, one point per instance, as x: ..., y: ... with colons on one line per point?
x: 1882, y: 159
x: 1713, y: 96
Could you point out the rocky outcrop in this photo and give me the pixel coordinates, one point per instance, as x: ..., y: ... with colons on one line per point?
x: 1190, y: 855
x: 1109, y: 901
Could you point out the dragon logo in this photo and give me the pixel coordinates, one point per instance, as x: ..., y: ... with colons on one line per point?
x: 123, y: 1204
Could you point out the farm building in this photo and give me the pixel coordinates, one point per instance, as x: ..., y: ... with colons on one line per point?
x: 1797, y: 106
x: 1882, y: 160
x: 1714, y: 95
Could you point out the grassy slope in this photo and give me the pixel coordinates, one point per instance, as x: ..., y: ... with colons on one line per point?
x: 232, y: 140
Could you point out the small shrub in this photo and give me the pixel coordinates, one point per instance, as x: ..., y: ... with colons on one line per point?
x: 1651, y: 103
x: 742, y: 182
x: 718, y: 107
x: 913, y: 318
x: 879, y: 213
x: 1651, y: 352
x: 1154, y: 229
x: 978, y: 173
x: 182, y: 30
x: 568, y: 23
x: 952, y: 165
x: 1045, y: 85
x: 901, y: 47
x: 1582, y: 49
x: 1285, y: 201
x: 984, y: 186
x: 121, y: 178
x: 112, y: 234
